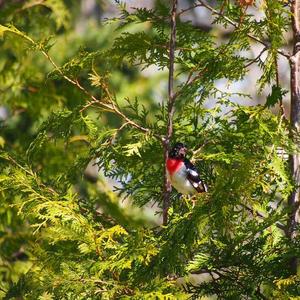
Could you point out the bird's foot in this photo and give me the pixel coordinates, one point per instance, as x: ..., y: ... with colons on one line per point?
x: 194, y: 201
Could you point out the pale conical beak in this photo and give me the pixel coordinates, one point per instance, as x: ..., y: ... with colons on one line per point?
x: 182, y: 151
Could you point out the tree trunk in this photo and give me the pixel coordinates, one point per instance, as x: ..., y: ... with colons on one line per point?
x: 293, y: 202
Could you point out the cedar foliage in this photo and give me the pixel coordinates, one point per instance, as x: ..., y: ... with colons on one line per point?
x: 65, y: 237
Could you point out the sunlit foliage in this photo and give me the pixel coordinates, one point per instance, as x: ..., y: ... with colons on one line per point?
x: 74, y: 99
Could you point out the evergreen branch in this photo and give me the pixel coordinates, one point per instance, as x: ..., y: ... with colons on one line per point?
x: 222, y: 273
x: 30, y: 5
x: 281, y: 108
x: 31, y: 174
x: 256, y: 59
x: 111, y: 106
x: 235, y: 25
x: 199, y: 149
x: 190, y: 80
x: 251, y: 210
x: 232, y: 277
x: 171, y: 110
x: 117, y: 131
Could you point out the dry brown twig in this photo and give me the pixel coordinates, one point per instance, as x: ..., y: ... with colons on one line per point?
x: 109, y: 105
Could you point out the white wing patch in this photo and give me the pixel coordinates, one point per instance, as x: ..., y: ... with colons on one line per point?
x: 193, y: 173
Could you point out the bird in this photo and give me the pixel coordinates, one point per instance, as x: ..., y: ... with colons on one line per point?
x: 181, y: 173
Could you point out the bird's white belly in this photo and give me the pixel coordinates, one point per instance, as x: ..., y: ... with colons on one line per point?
x: 181, y: 183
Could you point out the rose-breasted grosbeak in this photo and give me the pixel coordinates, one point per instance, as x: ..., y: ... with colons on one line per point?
x: 182, y: 174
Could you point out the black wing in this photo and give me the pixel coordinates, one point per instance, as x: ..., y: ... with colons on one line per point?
x: 194, y: 177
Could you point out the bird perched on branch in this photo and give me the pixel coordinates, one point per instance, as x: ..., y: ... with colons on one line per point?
x: 182, y: 174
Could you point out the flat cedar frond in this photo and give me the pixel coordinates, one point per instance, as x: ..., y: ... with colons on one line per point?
x: 89, y: 110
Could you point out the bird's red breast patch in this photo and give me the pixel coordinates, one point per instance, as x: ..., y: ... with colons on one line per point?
x: 173, y: 165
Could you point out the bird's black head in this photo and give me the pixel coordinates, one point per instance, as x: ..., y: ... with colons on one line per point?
x: 178, y: 151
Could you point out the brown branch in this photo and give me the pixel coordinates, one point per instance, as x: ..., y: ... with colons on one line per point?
x: 294, y: 159
x: 188, y: 9
x: 236, y: 25
x: 177, y: 48
x: 256, y: 59
x: 30, y: 5
x: 202, y: 3
x: 262, y: 216
x: 171, y: 110
x: 199, y: 149
x: 189, y: 82
x: 114, y: 136
x: 110, y: 106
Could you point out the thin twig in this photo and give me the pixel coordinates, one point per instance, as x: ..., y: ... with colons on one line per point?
x: 198, y: 150
x: 31, y: 174
x: 177, y: 48
x: 188, y: 8
x: 260, y: 215
x: 171, y: 110
x: 114, y: 136
x: 236, y: 25
x: 189, y: 82
x: 111, y: 106
x: 256, y: 59
x: 281, y: 106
